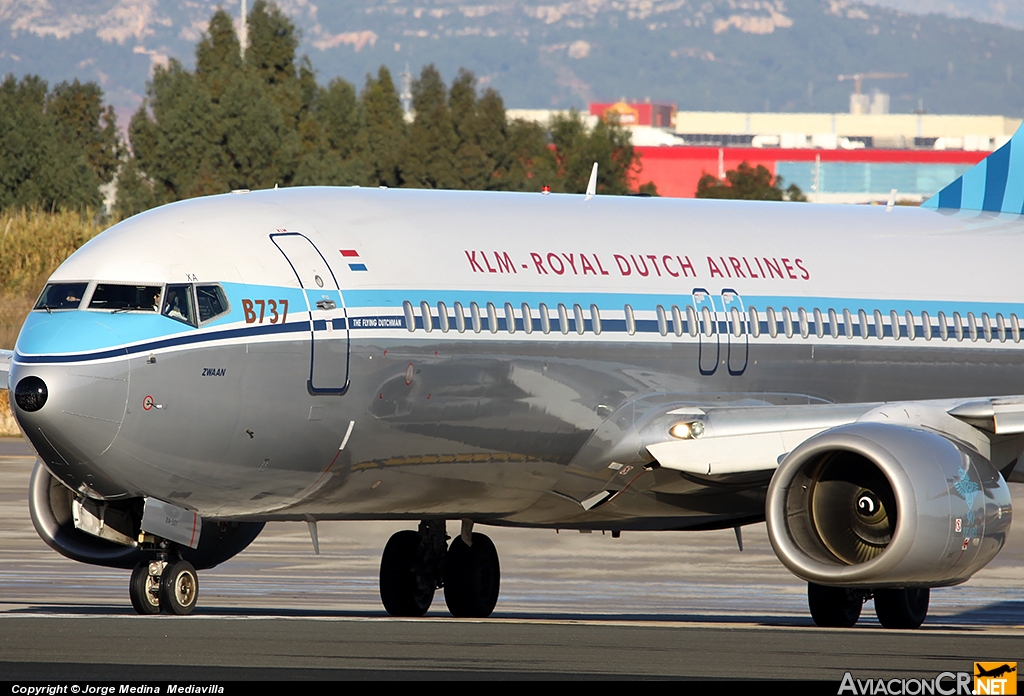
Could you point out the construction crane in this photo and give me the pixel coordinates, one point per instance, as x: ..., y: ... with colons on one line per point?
x: 869, y: 76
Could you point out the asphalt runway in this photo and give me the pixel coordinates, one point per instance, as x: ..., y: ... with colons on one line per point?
x: 577, y: 606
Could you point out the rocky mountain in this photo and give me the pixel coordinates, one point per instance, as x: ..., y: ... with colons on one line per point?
x: 776, y: 55
x: 1009, y: 13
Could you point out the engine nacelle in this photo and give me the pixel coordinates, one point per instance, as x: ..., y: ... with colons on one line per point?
x: 50, y: 505
x: 880, y: 506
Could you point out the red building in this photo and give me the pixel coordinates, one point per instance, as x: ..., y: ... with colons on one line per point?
x: 657, y: 115
x: 915, y: 173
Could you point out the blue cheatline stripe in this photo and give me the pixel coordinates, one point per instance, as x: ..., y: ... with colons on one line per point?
x: 259, y: 330
x: 609, y: 302
x: 997, y: 169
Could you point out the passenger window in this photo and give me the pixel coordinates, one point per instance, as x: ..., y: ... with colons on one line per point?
x: 943, y: 327
x: 958, y: 326
x: 773, y: 323
x: 410, y: 318
x: 460, y: 317
x: 691, y: 321
x: 595, y: 318
x: 510, y: 318
x: 1015, y: 328
x: 879, y: 325
x: 833, y: 323
x: 442, y: 316
x: 819, y: 323
x: 662, y: 321
x: 139, y: 298
x: 709, y: 322
x: 805, y: 329
x: 527, y: 319
x: 894, y: 321
x: 972, y: 326
x: 862, y: 317
x: 737, y: 323
x: 212, y: 302
x: 578, y: 313
x: 630, y: 321
x: 545, y: 318
x: 677, y: 320
x: 1001, y: 327
x: 178, y: 304
x: 63, y: 296
x: 492, y: 318
x: 911, y: 329
x: 563, y: 318
x: 754, y: 323
x: 787, y: 322
x: 474, y: 313
x: 428, y: 321
x: 986, y: 325
x: 847, y: 323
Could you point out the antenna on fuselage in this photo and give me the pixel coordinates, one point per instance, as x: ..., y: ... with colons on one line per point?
x: 592, y: 184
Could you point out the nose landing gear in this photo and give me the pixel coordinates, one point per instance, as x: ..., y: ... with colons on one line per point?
x: 159, y: 585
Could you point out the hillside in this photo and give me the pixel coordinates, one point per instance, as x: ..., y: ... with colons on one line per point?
x: 775, y: 55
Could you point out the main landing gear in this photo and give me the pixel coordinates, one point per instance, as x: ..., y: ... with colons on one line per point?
x: 171, y: 586
x: 839, y: 607
x: 415, y: 564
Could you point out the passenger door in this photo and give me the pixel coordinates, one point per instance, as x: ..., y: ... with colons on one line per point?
x: 328, y: 316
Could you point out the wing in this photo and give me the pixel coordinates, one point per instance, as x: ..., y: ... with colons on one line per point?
x: 713, y: 441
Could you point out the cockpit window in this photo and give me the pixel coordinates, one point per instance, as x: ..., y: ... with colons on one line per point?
x: 211, y: 300
x: 61, y: 296
x: 178, y: 304
x: 144, y: 298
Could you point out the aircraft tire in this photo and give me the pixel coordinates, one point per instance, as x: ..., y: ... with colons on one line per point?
x: 834, y: 607
x: 472, y: 577
x: 905, y: 608
x: 143, y: 600
x: 179, y: 588
x: 400, y: 588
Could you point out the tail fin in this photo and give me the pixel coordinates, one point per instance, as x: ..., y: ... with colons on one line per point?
x: 996, y: 183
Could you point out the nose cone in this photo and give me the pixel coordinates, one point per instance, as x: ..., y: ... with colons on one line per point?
x: 71, y: 404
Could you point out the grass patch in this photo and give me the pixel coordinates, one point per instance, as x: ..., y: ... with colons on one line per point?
x: 32, y: 244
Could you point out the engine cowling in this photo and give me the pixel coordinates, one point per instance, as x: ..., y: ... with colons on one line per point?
x: 50, y: 506
x: 879, y: 506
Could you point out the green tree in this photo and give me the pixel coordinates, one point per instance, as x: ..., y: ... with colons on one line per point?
x: 748, y: 183
x: 42, y: 161
x: 84, y: 122
x: 577, y: 147
x: 380, y: 143
x: 430, y: 156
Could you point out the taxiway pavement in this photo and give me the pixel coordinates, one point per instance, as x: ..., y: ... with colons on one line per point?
x: 661, y: 605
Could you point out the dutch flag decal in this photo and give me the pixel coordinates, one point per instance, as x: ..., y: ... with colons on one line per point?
x: 354, y: 265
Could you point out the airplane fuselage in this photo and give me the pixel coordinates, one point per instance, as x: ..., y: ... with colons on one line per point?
x: 413, y: 355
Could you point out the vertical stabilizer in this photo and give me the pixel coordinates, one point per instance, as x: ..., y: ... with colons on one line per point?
x: 996, y: 183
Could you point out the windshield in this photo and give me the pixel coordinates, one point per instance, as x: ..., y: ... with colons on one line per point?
x: 126, y: 297
x: 61, y: 296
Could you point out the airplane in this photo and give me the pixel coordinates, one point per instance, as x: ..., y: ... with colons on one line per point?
x: 849, y: 375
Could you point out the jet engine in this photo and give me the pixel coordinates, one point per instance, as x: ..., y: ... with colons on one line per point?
x: 875, y: 505
x: 51, y: 507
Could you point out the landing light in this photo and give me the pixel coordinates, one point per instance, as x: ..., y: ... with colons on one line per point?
x: 687, y: 431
